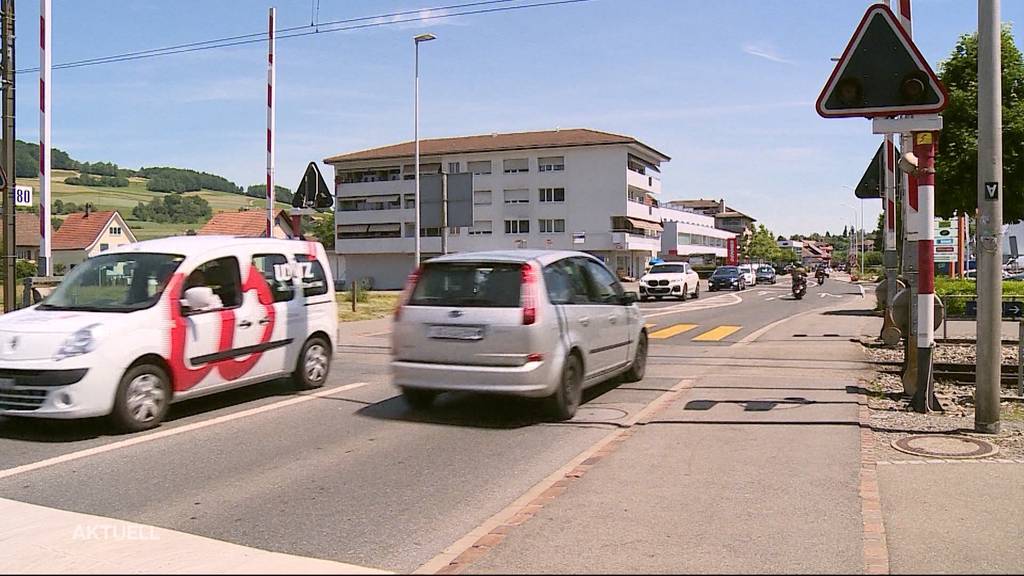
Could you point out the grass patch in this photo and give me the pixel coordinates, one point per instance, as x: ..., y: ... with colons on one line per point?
x: 955, y: 292
x: 376, y: 305
x: 1013, y: 411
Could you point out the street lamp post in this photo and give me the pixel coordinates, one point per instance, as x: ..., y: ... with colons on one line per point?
x: 416, y: 133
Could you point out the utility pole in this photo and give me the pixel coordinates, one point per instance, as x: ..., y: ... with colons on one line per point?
x: 890, y: 259
x: 45, y: 148
x: 7, y: 30
x: 990, y: 221
x: 271, y: 98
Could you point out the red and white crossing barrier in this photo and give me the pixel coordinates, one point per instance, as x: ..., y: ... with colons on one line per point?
x: 44, y: 139
x: 271, y: 77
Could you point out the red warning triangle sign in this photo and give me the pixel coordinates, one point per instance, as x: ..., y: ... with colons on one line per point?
x: 881, y: 73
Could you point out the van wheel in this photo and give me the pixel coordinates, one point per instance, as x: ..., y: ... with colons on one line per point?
x: 313, y: 365
x: 564, y: 402
x: 143, y: 397
x: 419, y: 398
x: 639, y: 366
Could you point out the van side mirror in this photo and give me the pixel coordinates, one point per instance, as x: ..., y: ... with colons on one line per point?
x: 199, y: 298
x: 630, y: 298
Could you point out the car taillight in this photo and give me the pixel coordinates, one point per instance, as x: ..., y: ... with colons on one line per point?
x: 410, y: 285
x: 528, y: 295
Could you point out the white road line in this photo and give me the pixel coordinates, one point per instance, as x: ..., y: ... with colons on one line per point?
x: 174, y: 431
x: 385, y: 333
x: 733, y: 299
x: 769, y: 299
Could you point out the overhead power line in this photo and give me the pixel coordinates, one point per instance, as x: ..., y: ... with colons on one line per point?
x: 348, y: 24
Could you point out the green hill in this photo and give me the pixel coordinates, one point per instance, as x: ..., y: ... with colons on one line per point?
x: 125, y: 199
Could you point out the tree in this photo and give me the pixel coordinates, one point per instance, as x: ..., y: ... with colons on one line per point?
x: 762, y: 246
x: 281, y: 194
x: 956, y: 164
x: 323, y: 230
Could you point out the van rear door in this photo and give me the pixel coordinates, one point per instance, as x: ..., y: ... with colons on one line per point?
x: 469, y: 313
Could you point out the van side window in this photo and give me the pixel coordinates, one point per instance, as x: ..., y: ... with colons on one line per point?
x: 278, y: 273
x: 221, y: 276
x: 311, y: 275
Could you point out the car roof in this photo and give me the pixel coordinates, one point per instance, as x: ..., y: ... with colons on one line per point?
x: 188, y: 245
x: 544, y: 257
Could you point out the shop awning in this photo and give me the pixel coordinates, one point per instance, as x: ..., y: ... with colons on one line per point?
x: 646, y: 224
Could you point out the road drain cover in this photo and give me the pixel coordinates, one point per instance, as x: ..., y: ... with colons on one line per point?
x: 945, y: 446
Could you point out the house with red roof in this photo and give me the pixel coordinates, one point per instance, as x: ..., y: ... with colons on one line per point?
x: 246, y: 224
x: 86, y: 234
x: 26, y: 235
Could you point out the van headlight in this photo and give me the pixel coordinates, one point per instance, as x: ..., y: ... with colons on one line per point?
x: 82, y: 341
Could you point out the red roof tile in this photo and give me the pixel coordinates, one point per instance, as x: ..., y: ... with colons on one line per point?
x: 247, y: 224
x: 492, y: 143
x: 80, y: 230
x: 26, y: 229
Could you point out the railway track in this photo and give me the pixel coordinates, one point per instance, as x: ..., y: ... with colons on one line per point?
x: 959, y: 373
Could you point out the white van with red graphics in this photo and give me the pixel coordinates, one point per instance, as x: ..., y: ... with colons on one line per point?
x: 136, y: 328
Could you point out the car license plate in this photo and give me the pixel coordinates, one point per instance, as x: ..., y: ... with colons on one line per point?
x: 456, y: 332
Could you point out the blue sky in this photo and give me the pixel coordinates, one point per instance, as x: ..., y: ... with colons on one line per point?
x: 726, y: 87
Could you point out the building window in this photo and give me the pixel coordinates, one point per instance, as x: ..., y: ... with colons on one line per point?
x: 517, y: 226
x: 551, y: 164
x: 356, y: 231
x: 453, y: 167
x: 479, y: 167
x: 552, y: 194
x: 363, y: 203
x: 410, y: 200
x: 424, y: 232
x: 521, y: 196
x: 549, y: 226
x: 409, y: 170
x: 480, y: 228
x: 481, y: 197
x: 115, y: 230
x: 517, y: 165
x: 103, y: 247
x: 369, y: 175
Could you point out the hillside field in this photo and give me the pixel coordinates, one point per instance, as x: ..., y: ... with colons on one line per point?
x: 124, y: 199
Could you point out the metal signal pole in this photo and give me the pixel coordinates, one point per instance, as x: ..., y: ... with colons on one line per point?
x: 45, y: 148
x: 271, y: 97
x: 990, y: 221
x: 7, y: 33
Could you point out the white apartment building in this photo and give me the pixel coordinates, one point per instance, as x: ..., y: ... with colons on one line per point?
x: 692, y: 235
x: 561, y: 189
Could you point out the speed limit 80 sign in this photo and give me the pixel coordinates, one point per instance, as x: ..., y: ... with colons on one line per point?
x: 22, y: 195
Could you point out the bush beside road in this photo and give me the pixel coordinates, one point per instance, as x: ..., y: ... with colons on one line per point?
x: 369, y: 305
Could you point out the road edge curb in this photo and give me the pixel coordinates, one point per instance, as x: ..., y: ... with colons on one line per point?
x: 876, y: 547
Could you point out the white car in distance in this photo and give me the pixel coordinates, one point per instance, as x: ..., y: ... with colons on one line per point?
x: 674, y: 279
x: 749, y: 273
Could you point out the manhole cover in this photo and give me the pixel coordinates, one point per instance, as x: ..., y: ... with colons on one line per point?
x: 945, y: 446
x: 595, y: 414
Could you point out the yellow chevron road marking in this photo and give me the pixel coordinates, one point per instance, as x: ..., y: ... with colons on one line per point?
x: 671, y: 331
x: 716, y: 334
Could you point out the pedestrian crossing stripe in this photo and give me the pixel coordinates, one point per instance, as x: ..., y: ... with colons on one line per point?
x: 716, y: 334
x: 671, y: 331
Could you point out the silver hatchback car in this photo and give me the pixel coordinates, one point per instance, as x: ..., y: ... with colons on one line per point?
x: 540, y: 324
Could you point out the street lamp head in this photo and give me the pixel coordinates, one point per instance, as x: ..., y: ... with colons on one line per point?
x: 424, y: 38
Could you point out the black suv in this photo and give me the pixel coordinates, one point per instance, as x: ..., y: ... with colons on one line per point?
x: 765, y: 274
x: 725, y: 278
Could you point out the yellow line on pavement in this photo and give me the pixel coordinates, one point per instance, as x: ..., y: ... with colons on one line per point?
x: 716, y: 334
x: 671, y: 331
x: 649, y: 325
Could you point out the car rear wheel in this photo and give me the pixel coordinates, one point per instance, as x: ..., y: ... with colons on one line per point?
x: 143, y: 397
x: 639, y: 366
x: 419, y: 398
x: 313, y: 365
x: 696, y: 291
x: 683, y: 294
x: 564, y: 402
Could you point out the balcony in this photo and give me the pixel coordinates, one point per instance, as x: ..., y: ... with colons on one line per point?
x: 642, y: 211
x: 647, y: 182
x: 376, y: 188
x: 630, y: 241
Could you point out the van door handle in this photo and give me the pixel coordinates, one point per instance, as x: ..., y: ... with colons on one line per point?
x: 244, y: 324
x: 264, y: 321
x: 585, y: 321
x: 613, y: 319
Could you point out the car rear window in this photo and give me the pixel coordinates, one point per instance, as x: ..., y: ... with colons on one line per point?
x: 482, y: 285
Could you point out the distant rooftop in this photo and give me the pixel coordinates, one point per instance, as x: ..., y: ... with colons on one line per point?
x: 494, y: 143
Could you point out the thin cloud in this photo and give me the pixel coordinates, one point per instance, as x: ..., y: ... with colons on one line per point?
x: 767, y: 52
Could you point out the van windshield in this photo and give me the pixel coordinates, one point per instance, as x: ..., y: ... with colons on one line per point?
x: 468, y: 284
x: 114, y: 283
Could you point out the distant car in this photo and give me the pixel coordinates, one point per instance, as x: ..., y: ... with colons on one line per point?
x: 1018, y: 277
x: 727, y: 278
x: 540, y: 324
x: 766, y: 274
x: 670, y: 279
x: 749, y: 273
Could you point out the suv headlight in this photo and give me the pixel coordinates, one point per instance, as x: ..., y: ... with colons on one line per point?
x: 82, y: 341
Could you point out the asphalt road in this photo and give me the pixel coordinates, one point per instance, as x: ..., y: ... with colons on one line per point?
x: 352, y: 473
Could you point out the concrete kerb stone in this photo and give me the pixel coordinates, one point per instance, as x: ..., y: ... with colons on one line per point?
x: 876, y: 548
